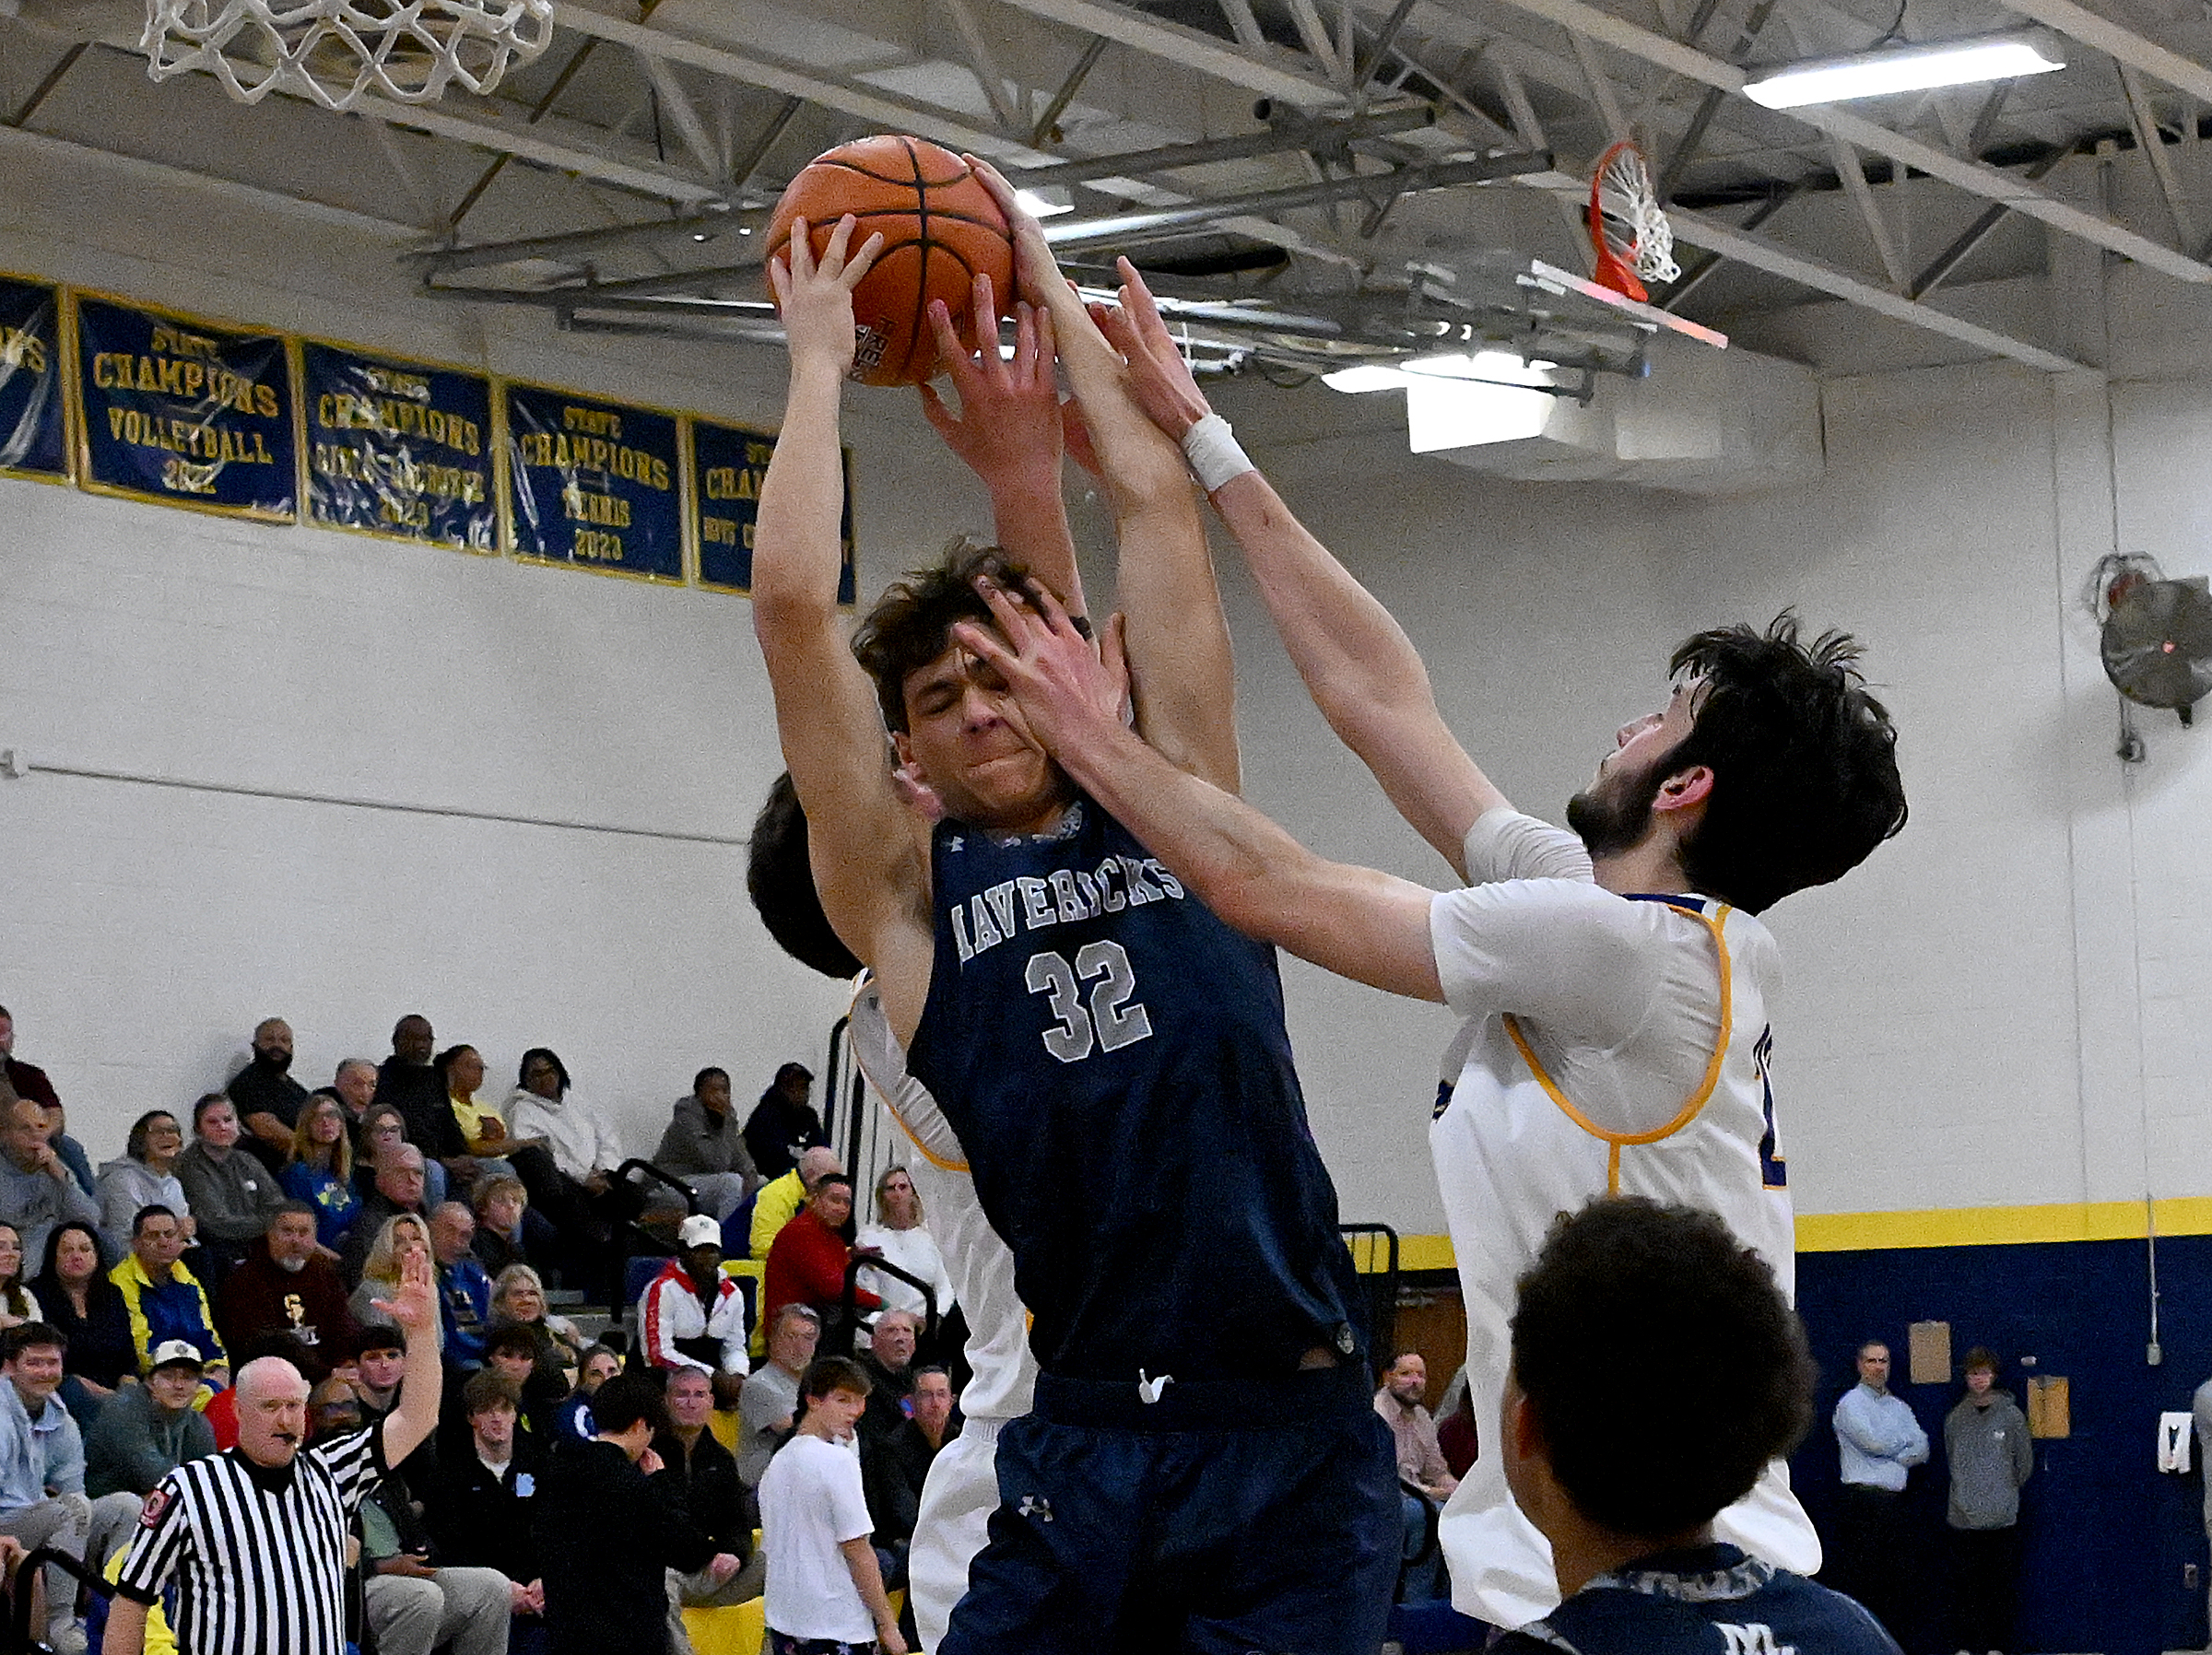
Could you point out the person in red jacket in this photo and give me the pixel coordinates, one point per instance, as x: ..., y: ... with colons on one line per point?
x: 806, y: 1265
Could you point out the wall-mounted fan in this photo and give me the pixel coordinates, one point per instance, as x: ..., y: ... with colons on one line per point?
x: 2155, y: 636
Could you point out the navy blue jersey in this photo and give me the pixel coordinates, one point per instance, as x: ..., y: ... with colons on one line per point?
x: 1113, y: 1058
x: 1711, y: 1601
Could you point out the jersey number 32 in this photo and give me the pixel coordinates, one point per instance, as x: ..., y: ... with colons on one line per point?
x: 1109, y: 1021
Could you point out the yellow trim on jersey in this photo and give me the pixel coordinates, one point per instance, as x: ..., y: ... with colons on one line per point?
x: 861, y: 985
x: 1698, y: 1099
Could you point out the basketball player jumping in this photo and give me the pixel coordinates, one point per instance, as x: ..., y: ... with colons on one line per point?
x: 1614, y: 985
x: 1202, y: 1469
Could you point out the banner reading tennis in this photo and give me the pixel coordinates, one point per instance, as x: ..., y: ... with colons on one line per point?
x: 593, y: 484
x: 398, y: 448
x: 185, y: 412
x: 729, y: 463
x: 31, y: 441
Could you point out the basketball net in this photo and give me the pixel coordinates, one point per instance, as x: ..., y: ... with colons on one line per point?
x: 336, y: 52
x: 1627, y: 227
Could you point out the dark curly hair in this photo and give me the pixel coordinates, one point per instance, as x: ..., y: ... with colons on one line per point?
x: 1660, y: 1361
x: 780, y: 880
x: 912, y: 622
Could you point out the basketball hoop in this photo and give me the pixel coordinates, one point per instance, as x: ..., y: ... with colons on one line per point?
x: 1627, y: 227
x: 337, y: 50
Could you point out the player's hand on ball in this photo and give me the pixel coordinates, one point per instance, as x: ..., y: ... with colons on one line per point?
x: 1036, y: 271
x: 1008, y: 427
x: 816, y: 296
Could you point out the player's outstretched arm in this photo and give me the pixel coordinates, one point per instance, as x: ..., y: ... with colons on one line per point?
x: 1358, y: 664
x: 866, y: 847
x: 1008, y: 432
x: 1184, y: 676
x: 1369, y: 926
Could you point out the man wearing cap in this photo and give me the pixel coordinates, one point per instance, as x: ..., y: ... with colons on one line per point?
x: 143, y: 1432
x: 693, y: 1316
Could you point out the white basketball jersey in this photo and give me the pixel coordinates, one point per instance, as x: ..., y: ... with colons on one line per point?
x: 982, y: 1269
x: 1535, y: 1125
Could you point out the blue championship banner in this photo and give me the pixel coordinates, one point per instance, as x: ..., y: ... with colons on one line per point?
x: 398, y: 448
x: 729, y: 461
x: 32, y: 440
x: 593, y: 484
x: 185, y: 412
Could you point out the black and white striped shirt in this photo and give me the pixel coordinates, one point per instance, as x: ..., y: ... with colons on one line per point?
x: 258, y: 1555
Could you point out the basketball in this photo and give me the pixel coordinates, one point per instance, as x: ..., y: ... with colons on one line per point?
x: 940, y: 230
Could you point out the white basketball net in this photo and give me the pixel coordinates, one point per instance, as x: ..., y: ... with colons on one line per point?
x: 338, y: 51
x: 1637, y: 231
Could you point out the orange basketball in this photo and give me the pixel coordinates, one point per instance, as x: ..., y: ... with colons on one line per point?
x: 940, y: 230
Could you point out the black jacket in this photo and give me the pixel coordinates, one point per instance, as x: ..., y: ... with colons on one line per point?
x: 482, y: 1521
x: 713, y: 1496
x: 606, y: 1535
x: 892, y: 1471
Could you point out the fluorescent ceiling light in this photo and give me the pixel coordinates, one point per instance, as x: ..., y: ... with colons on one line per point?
x: 1041, y: 206
x: 1905, y: 69
x: 1488, y: 366
x: 1366, y: 377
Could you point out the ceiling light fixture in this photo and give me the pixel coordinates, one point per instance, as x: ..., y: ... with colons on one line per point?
x: 1906, y: 69
x: 1038, y: 206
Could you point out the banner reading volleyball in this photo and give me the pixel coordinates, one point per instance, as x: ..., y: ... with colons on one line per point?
x: 398, y: 448
x: 729, y: 461
x: 185, y: 412
x: 593, y: 484
x: 31, y: 430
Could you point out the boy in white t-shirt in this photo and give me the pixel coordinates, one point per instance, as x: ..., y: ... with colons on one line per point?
x: 824, y: 1592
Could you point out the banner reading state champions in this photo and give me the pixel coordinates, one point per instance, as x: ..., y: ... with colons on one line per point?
x: 185, y: 412
x: 398, y: 448
x: 593, y: 484
x: 32, y: 440
x: 729, y: 463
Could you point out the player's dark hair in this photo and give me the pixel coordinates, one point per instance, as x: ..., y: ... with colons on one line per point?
x: 911, y: 623
x: 626, y: 1399
x: 1804, y: 762
x: 1662, y: 1364
x: 780, y: 880
x: 826, y: 1374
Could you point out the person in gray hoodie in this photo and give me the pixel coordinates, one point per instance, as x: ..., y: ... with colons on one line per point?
x: 705, y: 1146
x: 1985, y: 1439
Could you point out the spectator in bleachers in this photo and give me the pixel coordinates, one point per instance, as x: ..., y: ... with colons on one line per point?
x: 319, y: 1170
x: 464, y: 1290
x: 584, y: 1146
x: 68, y: 1148
x: 705, y: 1146
x: 692, y: 1315
x: 145, y: 1174
x: 150, y: 1429
x: 389, y: 1244
x: 380, y: 1369
x: 354, y: 1084
x: 410, y: 1083
x: 898, y: 1233
x: 478, y: 1509
x: 383, y: 1130
x: 609, y: 1525
x: 163, y: 1299
x: 397, y: 1188
x: 267, y: 1098
x: 24, y: 1080
x: 412, y: 1597
x: 518, y: 1296
x: 503, y: 1208
x: 42, y: 1468
x: 284, y: 1284
x: 783, y: 1123
x: 35, y: 1188
x: 714, y: 1499
x: 806, y: 1265
x: 1424, y: 1481
x: 889, y: 1363
x: 230, y: 1191
x: 824, y: 1581
x: 767, y: 1408
x: 17, y: 1302
x: 894, y: 1467
x: 781, y: 1198
x: 573, y: 1419
x: 512, y: 1352
x: 75, y: 1294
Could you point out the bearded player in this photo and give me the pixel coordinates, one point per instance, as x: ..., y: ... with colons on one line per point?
x: 1614, y: 980
x: 1202, y: 1468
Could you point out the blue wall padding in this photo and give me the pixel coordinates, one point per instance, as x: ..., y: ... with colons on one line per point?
x: 2106, y: 1534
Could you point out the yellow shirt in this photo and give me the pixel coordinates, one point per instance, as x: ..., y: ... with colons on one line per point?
x: 472, y: 1116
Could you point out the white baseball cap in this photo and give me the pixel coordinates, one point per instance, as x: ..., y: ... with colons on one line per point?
x: 176, y: 1351
x: 699, y: 1230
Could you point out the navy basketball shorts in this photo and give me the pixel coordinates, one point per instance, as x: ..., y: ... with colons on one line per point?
x: 1229, y: 1518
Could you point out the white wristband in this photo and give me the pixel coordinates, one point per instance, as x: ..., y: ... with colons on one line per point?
x: 1211, y: 448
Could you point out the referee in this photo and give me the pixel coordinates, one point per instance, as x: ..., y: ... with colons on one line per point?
x: 255, y: 1539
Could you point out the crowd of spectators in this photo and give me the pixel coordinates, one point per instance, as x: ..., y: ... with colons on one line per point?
x: 568, y: 1485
